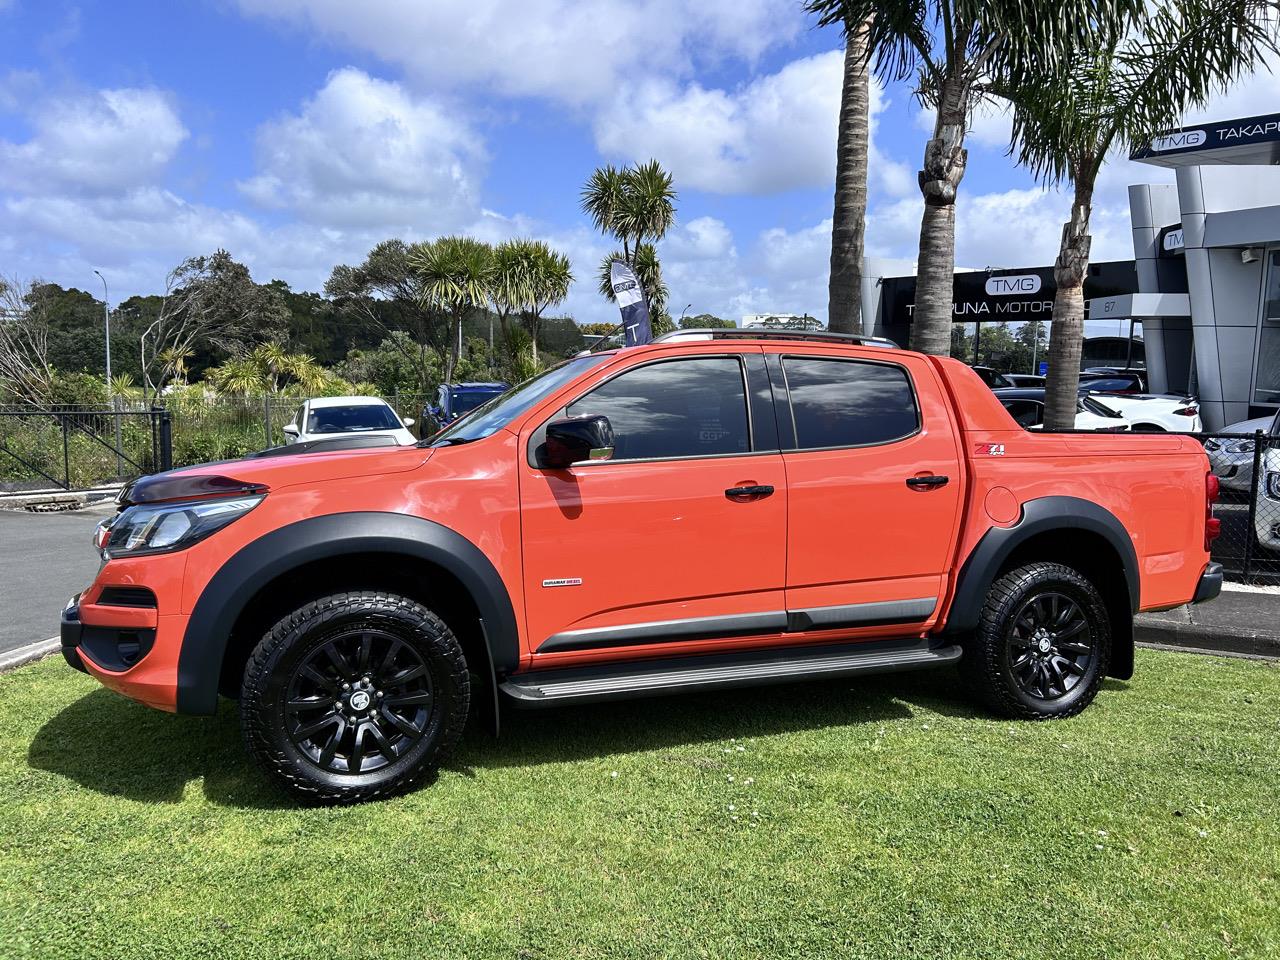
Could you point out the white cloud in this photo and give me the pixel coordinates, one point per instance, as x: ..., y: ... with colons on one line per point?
x: 776, y: 133
x: 705, y: 238
x: 97, y: 143
x: 990, y: 125
x: 575, y: 51
x: 363, y: 153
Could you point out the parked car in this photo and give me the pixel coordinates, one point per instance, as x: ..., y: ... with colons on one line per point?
x: 1146, y: 413
x: 993, y: 378
x: 454, y: 400
x: 327, y: 417
x: 1026, y: 406
x: 568, y: 544
x: 1025, y: 379
x: 1108, y: 380
x: 1232, y: 459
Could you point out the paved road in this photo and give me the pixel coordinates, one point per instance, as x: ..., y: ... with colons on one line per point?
x: 44, y: 559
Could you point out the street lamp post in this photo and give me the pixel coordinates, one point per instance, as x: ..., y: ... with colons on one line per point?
x: 115, y: 409
x: 106, y: 319
x: 683, y: 312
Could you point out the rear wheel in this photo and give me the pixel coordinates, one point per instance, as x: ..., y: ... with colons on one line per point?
x: 1042, y: 645
x: 354, y: 696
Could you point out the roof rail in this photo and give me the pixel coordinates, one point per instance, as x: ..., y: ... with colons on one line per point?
x: 761, y: 333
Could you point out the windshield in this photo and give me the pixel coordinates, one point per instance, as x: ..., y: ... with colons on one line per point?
x: 502, y: 409
x: 466, y: 402
x: 351, y: 419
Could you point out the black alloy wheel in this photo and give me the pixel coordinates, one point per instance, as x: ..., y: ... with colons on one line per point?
x: 354, y: 696
x: 359, y: 702
x: 1042, y: 645
x: 1050, y: 646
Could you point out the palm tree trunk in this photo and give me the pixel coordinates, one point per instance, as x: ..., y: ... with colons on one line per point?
x: 451, y: 355
x: 844, y: 292
x: 1066, y: 335
x: 943, y: 168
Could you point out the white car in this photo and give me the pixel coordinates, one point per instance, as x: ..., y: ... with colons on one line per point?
x: 1148, y: 413
x: 1232, y: 457
x: 325, y: 418
x: 1026, y: 406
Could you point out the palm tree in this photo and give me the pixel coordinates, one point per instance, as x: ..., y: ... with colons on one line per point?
x: 602, y: 200
x: 1120, y: 91
x: 637, y: 206
x: 953, y: 49
x: 456, y: 274
x: 648, y: 270
x: 848, y: 219
x: 509, y: 288
x: 549, y: 277
x: 173, y: 364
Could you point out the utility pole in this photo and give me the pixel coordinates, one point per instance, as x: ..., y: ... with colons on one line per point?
x: 115, y: 407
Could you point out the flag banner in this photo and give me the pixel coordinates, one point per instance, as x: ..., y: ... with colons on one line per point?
x: 630, y: 296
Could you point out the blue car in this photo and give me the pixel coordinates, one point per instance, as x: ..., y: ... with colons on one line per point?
x: 454, y: 400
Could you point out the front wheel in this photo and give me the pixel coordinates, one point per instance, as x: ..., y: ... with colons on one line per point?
x: 1042, y: 645
x: 354, y: 696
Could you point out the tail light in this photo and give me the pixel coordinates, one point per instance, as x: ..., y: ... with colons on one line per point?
x: 1187, y: 412
x: 1212, y: 525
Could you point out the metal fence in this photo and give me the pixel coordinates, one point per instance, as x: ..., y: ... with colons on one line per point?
x: 78, y: 448
x: 81, y: 447
x: 1248, y: 468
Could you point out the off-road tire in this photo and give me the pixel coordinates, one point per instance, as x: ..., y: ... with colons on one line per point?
x: 990, y: 654
x: 296, y: 639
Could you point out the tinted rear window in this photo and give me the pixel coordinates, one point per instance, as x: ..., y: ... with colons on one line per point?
x: 846, y: 403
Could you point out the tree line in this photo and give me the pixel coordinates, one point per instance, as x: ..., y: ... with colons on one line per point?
x: 1080, y: 77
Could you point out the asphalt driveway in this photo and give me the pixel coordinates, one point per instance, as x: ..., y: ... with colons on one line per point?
x: 44, y: 559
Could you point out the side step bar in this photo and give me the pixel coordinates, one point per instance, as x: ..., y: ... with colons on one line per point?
x: 653, y: 678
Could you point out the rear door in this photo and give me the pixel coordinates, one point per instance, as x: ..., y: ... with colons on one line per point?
x: 678, y: 538
x: 874, y: 488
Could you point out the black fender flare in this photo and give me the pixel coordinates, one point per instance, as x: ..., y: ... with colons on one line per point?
x: 227, y: 594
x: 1043, y: 515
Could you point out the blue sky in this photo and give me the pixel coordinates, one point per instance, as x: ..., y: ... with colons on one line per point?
x: 297, y: 133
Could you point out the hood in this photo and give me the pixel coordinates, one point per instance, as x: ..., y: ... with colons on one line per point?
x: 259, y: 474
x: 1250, y: 426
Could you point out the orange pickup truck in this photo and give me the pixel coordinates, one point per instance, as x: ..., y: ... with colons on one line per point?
x: 716, y: 508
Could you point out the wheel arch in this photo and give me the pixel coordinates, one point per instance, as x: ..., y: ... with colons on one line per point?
x: 1068, y: 530
x: 420, y: 558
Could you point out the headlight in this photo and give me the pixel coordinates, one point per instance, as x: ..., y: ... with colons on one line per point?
x: 164, y: 527
x: 1238, y: 446
x: 1273, y: 486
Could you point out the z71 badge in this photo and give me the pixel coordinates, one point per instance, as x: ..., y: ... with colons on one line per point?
x: 989, y: 449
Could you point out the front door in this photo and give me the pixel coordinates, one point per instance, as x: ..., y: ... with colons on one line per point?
x: 658, y: 547
x: 873, y: 488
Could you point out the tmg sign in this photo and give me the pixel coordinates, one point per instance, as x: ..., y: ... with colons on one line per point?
x: 1020, y: 285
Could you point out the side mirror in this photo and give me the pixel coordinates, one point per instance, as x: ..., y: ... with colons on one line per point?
x: 290, y: 430
x: 407, y: 421
x: 577, y: 439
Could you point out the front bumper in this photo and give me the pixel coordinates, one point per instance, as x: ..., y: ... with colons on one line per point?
x: 131, y: 651
x: 71, y: 631
x: 1210, y: 584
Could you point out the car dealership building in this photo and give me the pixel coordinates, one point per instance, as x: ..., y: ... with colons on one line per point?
x: 1201, y: 298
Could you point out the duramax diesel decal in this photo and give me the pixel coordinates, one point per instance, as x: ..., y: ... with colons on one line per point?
x: 563, y: 582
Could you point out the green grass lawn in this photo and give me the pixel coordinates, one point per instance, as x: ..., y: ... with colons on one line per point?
x: 879, y: 818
